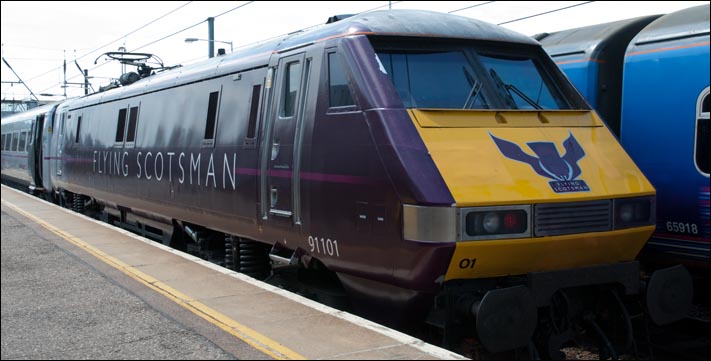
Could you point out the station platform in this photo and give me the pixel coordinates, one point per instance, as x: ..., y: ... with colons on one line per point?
x: 272, y: 323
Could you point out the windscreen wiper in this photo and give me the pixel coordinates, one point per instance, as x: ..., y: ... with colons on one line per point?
x: 509, y: 87
x: 474, y: 92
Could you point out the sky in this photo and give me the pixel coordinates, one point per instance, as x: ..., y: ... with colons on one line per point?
x: 38, y: 36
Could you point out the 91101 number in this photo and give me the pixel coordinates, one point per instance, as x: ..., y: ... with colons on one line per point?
x: 324, y: 246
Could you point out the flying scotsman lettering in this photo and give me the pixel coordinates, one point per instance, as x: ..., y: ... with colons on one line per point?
x: 191, y: 168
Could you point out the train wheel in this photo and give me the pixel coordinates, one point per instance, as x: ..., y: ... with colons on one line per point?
x: 611, y: 324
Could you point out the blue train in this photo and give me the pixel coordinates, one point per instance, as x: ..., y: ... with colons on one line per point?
x: 648, y: 77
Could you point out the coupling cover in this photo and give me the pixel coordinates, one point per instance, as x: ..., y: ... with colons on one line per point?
x: 506, y: 318
x: 669, y: 295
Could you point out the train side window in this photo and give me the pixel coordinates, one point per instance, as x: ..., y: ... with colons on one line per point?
x: 253, y: 111
x: 121, y: 125
x: 3, y: 141
x: 23, y: 141
x: 15, y: 141
x: 291, y: 81
x: 213, y: 107
x: 339, y: 92
x: 76, y: 136
x: 132, y: 123
x: 702, y: 145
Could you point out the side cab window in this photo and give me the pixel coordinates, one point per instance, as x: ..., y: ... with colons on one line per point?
x: 340, y: 95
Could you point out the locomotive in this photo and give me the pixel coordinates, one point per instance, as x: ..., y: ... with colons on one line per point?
x: 618, y: 66
x: 440, y: 171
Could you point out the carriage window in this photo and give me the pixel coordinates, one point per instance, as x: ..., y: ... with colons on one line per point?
x: 703, y: 133
x: 76, y: 138
x: 121, y: 125
x: 3, y: 141
x: 23, y: 141
x: 211, y: 122
x: 251, y: 128
x: 291, y: 85
x: 339, y: 93
x: 132, y: 120
x: 15, y: 141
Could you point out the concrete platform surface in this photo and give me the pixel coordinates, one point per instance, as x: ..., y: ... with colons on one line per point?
x: 269, y: 321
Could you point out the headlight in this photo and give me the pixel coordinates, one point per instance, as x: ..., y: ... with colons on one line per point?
x: 626, y: 212
x: 491, y: 222
x: 496, y: 222
x: 634, y: 212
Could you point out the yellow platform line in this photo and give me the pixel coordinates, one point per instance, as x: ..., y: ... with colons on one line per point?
x: 255, y: 339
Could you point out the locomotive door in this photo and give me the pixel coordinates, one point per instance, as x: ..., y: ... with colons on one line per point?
x: 60, y: 143
x: 280, y: 166
x: 35, y: 158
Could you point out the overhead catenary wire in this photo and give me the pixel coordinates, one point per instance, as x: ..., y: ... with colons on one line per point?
x: 18, y: 77
x: 544, y: 13
x: 233, y: 9
x: 250, y: 2
x: 469, y: 7
x: 164, y: 37
x: 107, y: 44
x: 243, y: 4
x: 115, y: 40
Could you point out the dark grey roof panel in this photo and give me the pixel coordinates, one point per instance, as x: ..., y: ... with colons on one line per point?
x: 683, y: 23
x: 587, y: 40
x: 28, y: 114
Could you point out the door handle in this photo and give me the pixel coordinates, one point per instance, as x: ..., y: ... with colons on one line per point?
x: 274, y: 197
x: 275, y: 149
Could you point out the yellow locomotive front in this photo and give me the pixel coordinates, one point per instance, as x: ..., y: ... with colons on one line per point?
x: 537, y: 190
x: 539, y: 181
x: 549, y: 211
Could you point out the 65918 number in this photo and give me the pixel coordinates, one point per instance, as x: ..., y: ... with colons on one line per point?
x: 681, y: 227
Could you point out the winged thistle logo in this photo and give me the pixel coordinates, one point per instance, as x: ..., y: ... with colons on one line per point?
x: 548, y: 163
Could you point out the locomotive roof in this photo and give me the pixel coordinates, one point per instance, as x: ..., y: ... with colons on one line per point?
x: 415, y: 23
x: 411, y: 23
